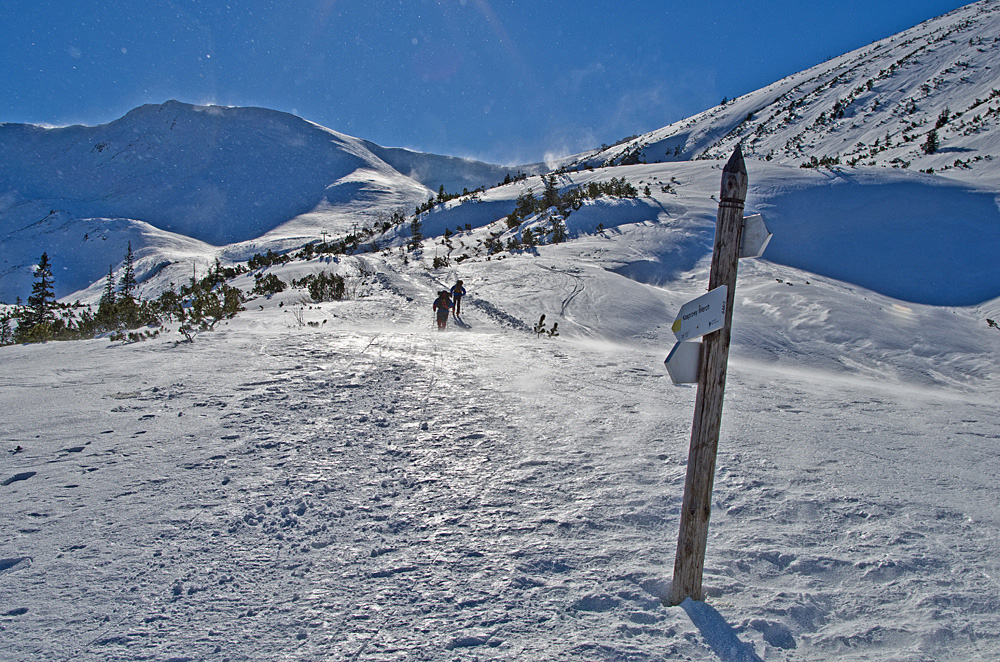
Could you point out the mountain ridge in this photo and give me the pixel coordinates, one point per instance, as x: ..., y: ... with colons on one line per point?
x: 843, y: 109
x: 192, y: 169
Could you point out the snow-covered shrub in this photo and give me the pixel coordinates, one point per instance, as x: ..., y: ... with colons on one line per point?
x: 269, y: 284
x: 323, y: 286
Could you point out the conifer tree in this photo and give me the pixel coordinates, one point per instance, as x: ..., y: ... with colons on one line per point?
x: 558, y: 230
x: 932, y: 143
x: 528, y: 238
x: 513, y: 220
x: 129, y: 283
x: 6, y: 333
x: 126, y: 306
x: 550, y: 197
x: 42, y: 302
x: 525, y: 204
x: 416, y: 233
x: 943, y: 118
x: 106, y: 313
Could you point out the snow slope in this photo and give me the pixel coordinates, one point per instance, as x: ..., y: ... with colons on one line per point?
x: 248, y: 179
x: 872, y: 106
x: 915, y: 237
x: 338, y: 481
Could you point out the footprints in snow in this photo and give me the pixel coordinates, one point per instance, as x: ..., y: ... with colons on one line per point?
x: 24, y: 475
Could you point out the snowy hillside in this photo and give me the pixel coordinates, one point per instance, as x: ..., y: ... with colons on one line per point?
x: 338, y: 481
x: 247, y: 180
x: 213, y: 174
x: 873, y: 106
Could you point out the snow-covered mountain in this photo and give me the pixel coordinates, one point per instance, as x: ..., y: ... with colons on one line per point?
x: 185, y: 184
x: 199, y: 173
x: 220, y: 175
x: 873, y: 106
x: 178, y: 179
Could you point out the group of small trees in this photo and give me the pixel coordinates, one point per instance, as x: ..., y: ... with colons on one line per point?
x: 564, y: 203
x: 443, y: 196
x: 933, y: 142
x: 201, y: 304
x: 43, y: 318
x: 323, y: 286
x: 823, y: 162
x: 527, y: 204
x: 197, y: 306
x: 119, y: 308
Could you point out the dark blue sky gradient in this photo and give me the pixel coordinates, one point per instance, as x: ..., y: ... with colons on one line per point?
x: 501, y: 80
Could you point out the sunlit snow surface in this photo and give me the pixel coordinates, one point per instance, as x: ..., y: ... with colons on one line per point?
x: 369, y: 489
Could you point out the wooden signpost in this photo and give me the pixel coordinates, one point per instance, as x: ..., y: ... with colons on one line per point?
x: 696, y: 509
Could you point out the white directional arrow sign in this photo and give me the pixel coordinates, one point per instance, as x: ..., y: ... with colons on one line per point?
x: 683, y: 362
x: 703, y: 315
x: 754, y: 237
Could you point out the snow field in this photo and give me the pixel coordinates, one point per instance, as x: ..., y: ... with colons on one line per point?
x: 369, y: 489
x: 349, y: 492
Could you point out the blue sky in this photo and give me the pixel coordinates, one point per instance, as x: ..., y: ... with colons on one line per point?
x: 501, y: 80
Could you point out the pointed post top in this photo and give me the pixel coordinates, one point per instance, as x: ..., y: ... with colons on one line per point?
x: 734, y: 178
x: 736, y: 162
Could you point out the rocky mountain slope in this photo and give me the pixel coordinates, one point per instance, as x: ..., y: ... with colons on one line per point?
x: 871, y: 107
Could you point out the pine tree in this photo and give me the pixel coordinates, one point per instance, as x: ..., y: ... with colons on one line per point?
x: 37, y: 321
x: 932, y: 143
x: 416, y: 233
x: 513, y: 220
x: 126, y: 307
x: 558, y: 230
x: 943, y: 118
x: 550, y: 197
x: 106, y: 307
x: 528, y: 237
x: 6, y: 332
x: 129, y: 283
x: 42, y: 302
x: 525, y: 205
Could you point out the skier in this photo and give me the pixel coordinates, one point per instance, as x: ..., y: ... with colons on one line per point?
x: 441, y: 306
x: 457, y: 292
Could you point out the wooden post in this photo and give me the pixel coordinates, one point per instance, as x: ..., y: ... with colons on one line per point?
x: 697, y: 506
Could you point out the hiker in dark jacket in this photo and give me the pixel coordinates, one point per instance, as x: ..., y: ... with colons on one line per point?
x: 457, y: 292
x: 442, y: 305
